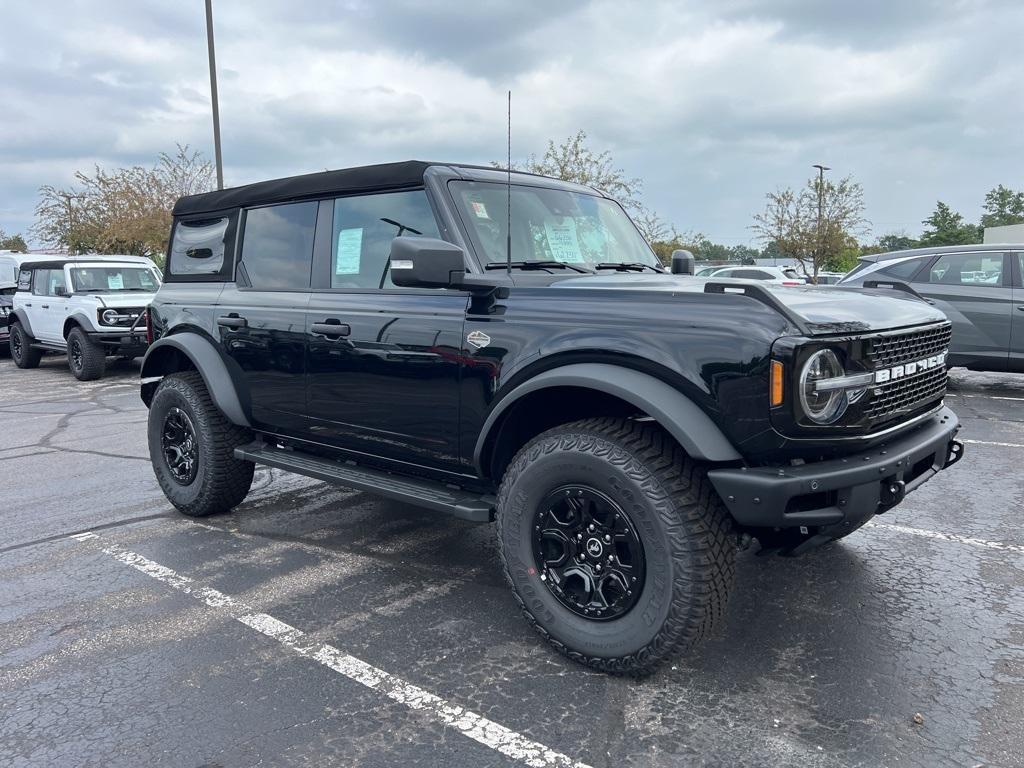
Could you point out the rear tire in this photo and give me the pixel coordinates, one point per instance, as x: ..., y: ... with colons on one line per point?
x: 661, y: 497
x: 86, y: 359
x: 23, y: 354
x: 191, y: 447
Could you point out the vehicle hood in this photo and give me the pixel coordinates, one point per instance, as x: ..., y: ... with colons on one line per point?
x: 119, y: 299
x: 817, y: 309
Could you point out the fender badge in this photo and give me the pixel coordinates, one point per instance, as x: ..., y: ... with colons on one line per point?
x: 478, y: 339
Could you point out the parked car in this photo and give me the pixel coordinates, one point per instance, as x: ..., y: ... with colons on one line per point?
x: 830, y: 278
x: 627, y: 427
x: 979, y: 289
x: 777, y: 275
x: 709, y: 271
x: 89, y: 307
x: 10, y: 262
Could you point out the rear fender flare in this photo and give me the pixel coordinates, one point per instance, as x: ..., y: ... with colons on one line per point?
x: 207, y: 361
x: 677, y: 414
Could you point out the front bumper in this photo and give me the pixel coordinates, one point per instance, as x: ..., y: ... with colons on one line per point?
x: 840, y: 491
x: 124, y: 342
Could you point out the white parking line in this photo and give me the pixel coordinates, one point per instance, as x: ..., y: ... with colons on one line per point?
x: 476, y: 727
x: 997, y: 545
x: 998, y: 445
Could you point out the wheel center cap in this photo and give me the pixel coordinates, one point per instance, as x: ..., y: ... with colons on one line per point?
x: 594, y: 547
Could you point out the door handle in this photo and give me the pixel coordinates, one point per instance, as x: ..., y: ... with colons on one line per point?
x: 232, y: 321
x: 44, y: 306
x: 331, y: 328
x: 1020, y: 307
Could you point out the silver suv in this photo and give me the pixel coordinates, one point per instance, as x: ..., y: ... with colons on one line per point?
x: 89, y: 307
x: 977, y: 286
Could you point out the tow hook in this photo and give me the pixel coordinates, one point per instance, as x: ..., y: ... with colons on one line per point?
x: 891, y: 494
x: 954, y: 453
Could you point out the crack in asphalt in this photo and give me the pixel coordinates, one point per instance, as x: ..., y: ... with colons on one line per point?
x: 91, y: 528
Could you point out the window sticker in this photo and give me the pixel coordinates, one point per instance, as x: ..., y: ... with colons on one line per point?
x: 115, y: 282
x: 350, y: 249
x: 480, y: 210
x: 562, y: 240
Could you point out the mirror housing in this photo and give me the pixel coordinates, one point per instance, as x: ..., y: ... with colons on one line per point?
x: 60, y: 290
x: 426, y: 262
x: 683, y: 262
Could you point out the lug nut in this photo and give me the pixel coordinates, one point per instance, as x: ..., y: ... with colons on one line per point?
x: 590, y: 527
x: 607, y: 538
x: 597, y: 567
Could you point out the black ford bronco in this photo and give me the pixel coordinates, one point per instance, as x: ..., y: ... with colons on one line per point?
x: 506, y: 346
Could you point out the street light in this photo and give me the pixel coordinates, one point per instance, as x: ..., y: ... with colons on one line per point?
x: 213, y: 94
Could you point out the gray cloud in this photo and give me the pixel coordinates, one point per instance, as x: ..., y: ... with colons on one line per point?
x: 711, y: 103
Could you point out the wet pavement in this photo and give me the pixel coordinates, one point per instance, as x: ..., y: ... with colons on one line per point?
x: 317, y: 625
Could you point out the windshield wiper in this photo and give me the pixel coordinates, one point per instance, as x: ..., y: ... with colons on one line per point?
x: 538, y: 264
x: 627, y: 266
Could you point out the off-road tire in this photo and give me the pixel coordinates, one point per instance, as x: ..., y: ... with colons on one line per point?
x: 93, y: 357
x: 221, y: 481
x: 22, y: 353
x: 685, y: 530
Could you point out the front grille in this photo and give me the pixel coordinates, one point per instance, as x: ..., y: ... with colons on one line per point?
x: 895, y: 348
x: 901, y: 397
x: 896, y: 398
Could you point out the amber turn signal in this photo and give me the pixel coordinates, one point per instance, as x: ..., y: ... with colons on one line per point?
x: 777, y: 371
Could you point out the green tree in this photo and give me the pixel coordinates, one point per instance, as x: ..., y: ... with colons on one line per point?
x: 12, y: 242
x: 814, y: 225
x: 1002, y: 206
x: 126, y: 210
x: 947, y: 227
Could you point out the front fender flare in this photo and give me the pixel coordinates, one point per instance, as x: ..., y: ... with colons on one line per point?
x: 204, y: 356
x: 693, y: 429
x: 22, y: 317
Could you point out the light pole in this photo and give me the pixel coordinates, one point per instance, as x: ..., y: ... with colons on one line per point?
x: 821, y: 198
x: 213, y: 94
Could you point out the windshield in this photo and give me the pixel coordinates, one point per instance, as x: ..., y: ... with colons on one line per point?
x: 549, y: 225
x: 106, y: 279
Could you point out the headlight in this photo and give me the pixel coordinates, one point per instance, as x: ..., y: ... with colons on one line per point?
x: 110, y: 316
x: 822, y: 404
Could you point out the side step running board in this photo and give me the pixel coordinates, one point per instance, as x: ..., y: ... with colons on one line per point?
x: 423, y: 493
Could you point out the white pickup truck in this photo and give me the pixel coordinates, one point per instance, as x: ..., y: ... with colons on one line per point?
x: 90, y: 307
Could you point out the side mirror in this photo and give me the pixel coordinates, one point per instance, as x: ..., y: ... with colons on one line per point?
x: 426, y: 262
x: 60, y: 290
x: 683, y: 263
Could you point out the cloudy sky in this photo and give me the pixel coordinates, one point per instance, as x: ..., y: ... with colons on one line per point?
x: 711, y: 102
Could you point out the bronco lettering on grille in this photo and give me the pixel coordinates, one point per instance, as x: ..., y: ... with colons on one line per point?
x: 909, y: 369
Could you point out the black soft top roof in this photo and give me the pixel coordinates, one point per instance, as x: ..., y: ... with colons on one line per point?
x: 363, y: 179
x: 367, y: 178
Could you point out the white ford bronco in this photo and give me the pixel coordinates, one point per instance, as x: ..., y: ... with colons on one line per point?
x: 90, y: 307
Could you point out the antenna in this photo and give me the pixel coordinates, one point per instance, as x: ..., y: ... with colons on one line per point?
x: 508, y: 194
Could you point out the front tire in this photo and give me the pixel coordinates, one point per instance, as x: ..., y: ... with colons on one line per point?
x: 191, y: 447
x: 658, y: 578
x: 86, y: 359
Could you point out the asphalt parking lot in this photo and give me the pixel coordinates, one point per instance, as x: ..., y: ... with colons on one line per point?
x: 321, y: 626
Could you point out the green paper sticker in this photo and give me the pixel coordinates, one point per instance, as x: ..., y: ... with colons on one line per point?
x: 562, y: 240
x: 350, y: 249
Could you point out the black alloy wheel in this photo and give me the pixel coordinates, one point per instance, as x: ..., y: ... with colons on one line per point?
x: 17, y: 346
x: 588, y: 553
x: 180, y: 449
x: 77, y: 356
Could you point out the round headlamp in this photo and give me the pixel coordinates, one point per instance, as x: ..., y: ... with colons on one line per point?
x: 822, y: 404
x: 110, y: 316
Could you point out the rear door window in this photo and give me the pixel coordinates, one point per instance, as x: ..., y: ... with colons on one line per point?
x: 973, y: 269
x: 198, y: 247
x: 277, y: 247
